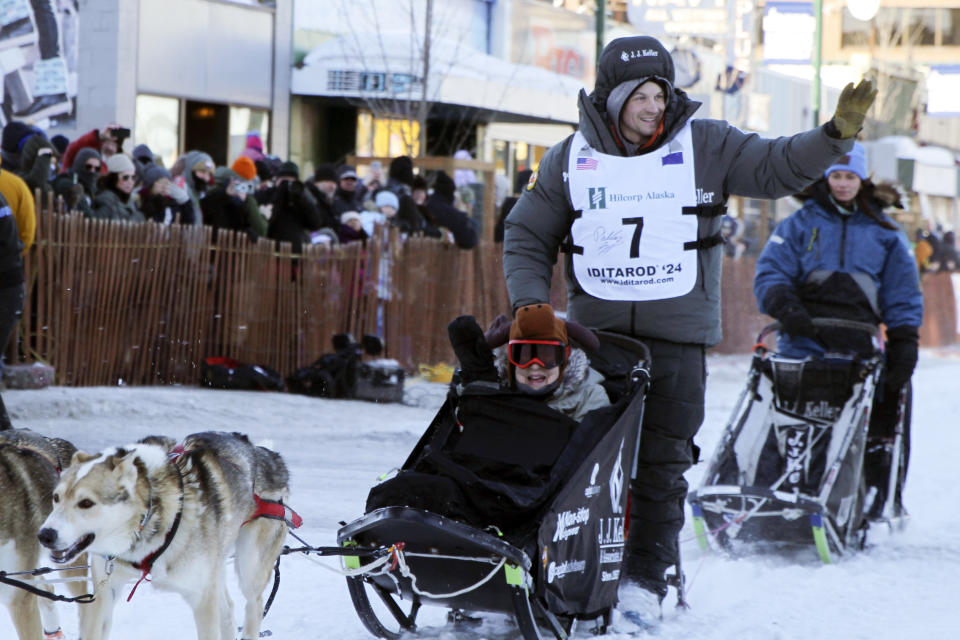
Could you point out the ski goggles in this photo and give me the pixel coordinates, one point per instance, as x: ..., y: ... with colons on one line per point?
x: 546, y: 353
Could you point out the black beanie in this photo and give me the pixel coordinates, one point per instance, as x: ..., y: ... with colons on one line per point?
x: 401, y: 170
x: 631, y: 58
x: 13, y: 133
x: 325, y: 172
x: 264, y: 169
x: 289, y: 169
x: 60, y: 142
x: 444, y: 185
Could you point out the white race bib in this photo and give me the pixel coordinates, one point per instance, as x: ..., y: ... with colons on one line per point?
x: 628, y: 241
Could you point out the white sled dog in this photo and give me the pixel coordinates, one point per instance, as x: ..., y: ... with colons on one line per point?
x: 175, y: 513
x: 30, y: 466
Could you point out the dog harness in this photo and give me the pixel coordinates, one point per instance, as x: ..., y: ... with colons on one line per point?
x: 273, y: 509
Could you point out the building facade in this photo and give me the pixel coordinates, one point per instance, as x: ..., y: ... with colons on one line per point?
x: 182, y: 74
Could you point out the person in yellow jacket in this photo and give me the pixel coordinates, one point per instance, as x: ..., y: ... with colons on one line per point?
x: 18, y: 196
x: 923, y: 252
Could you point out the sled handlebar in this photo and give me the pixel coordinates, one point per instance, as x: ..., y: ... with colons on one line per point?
x: 836, y: 323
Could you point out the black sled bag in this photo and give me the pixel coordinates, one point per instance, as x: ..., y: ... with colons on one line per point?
x: 332, y: 375
x: 227, y: 373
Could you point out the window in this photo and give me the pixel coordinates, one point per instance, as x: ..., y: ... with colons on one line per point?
x: 372, y: 81
x: 386, y: 136
x: 903, y: 26
x: 244, y: 120
x: 342, y: 80
x: 950, y: 27
x: 157, y: 125
x: 923, y: 27
x: 889, y: 26
x: 855, y: 33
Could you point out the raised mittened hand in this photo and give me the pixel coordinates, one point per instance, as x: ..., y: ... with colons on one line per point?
x: 852, y: 108
x: 471, y: 348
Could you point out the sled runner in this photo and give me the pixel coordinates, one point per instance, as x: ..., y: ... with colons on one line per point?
x: 790, y: 466
x: 503, y: 506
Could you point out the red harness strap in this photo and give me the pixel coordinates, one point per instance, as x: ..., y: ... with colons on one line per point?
x: 276, y: 510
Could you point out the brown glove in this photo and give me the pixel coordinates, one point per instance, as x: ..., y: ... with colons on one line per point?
x: 852, y: 108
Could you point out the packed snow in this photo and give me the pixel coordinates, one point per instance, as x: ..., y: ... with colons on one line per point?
x: 904, y: 585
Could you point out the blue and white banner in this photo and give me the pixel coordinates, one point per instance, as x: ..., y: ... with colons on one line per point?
x: 943, y: 87
x: 788, y: 29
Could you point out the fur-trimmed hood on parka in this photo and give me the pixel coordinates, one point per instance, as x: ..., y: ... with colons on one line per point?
x: 580, y: 390
x: 872, y: 199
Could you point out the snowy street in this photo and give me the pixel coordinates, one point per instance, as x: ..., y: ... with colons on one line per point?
x: 904, y: 585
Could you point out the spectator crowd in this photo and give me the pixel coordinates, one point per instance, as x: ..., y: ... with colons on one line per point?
x: 264, y: 196
x: 258, y: 194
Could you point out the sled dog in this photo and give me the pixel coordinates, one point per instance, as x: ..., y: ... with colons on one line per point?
x: 30, y: 466
x: 175, y: 513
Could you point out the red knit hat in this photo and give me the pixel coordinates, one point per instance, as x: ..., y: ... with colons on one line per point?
x: 245, y: 168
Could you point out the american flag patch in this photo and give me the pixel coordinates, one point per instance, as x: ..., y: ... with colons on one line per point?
x: 587, y: 164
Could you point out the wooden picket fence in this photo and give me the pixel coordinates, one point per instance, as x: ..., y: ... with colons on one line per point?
x: 115, y: 303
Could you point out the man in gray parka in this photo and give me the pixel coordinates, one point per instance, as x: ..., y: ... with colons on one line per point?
x: 636, y: 198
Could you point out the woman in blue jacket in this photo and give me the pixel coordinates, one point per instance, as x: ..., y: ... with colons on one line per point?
x: 839, y: 256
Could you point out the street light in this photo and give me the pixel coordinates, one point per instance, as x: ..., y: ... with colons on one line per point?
x: 863, y: 10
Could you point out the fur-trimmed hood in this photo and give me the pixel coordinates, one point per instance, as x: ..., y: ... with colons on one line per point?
x: 872, y: 199
x: 580, y: 390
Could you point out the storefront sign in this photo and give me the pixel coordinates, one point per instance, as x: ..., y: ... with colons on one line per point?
x: 788, y: 32
x: 676, y: 17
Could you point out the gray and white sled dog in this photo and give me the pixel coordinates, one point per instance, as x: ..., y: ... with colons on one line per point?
x: 175, y: 513
x: 30, y: 466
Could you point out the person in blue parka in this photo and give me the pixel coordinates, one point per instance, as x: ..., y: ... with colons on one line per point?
x: 839, y: 256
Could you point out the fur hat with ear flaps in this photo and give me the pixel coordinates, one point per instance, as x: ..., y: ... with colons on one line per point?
x: 538, y: 322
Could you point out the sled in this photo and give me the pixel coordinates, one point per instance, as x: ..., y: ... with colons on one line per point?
x: 789, y: 468
x: 528, y: 520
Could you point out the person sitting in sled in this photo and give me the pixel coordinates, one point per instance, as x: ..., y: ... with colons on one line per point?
x: 534, y: 355
x: 839, y: 256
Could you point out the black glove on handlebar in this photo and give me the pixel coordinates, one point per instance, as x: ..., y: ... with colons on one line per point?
x: 901, y: 356
x: 472, y: 350
x: 783, y: 304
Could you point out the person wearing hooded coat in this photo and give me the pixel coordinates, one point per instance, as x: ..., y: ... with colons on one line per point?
x: 78, y: 185
x: 323, y: 188
x: 839, y: 256
x: 578, y: 389
x: 114, y: 194
x: 192, y: 172
x: 37, y: 160
x: 443, y: 214
x: 295, y: 211
x: 15, y: 135
x: 402, y: 182
x: 636, y: 197
x: 161, y: 200
x: 223, y: 207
